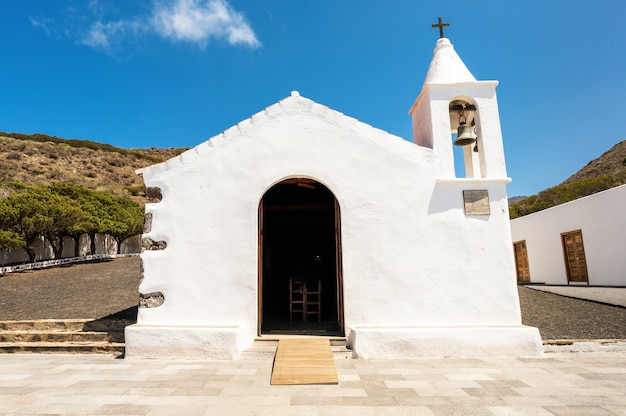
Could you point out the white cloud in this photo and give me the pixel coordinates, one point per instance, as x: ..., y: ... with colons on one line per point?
x: 41, y: 23
x: 194, y: 21
x: 200, y: 21
x: 104, y: 35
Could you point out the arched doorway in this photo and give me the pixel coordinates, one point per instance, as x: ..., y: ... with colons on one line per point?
x: 299, y: 240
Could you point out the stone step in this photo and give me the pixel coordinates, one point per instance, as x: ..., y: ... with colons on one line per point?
x: 266, y: 347
x: 340, y: 352
x: 273, y: 340
x: 60, y: 336
x: 61, y: 347
x: 44, y: 325
x: 253, y: 353
x: 65, y: 325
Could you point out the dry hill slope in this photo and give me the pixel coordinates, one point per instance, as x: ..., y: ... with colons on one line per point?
x: 610, y: 163
x: 41, y: 162
x: 604, y: 172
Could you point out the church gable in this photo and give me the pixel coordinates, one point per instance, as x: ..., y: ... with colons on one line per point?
x: 295, y: 121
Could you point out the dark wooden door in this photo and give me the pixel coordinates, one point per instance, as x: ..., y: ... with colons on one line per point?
x: 521, y: 261
x: 574, y: 253
x: 260, y: 255
x: 339, y: 268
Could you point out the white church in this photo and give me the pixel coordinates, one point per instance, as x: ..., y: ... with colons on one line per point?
x: 302, y: 221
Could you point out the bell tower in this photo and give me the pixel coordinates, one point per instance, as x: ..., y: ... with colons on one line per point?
x: 454, y: 109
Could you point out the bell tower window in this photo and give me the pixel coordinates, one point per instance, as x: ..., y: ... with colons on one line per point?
x: 464, y: 130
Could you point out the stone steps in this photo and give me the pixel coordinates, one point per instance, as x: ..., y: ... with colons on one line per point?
x: 106, y: 336
x: 63, y: 336
x: 266, y: 347
x: 62, y: 347
x: 48, y: 336
x: 66, y: 325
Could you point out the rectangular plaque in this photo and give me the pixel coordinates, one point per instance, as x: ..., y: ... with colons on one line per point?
x: 476, y: 202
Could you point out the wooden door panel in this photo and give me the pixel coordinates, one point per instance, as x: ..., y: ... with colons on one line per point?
x: 260, y: 270
x: 521, y: 261
x: 339, y: 268
x: 574, y: 254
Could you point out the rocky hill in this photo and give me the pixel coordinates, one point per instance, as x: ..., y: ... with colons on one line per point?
x: 40, y: 159
x: 605, y: 172
x: 611, y: 163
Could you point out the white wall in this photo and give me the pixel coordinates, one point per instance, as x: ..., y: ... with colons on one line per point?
x: 411, y: 257
x: 602, y: 219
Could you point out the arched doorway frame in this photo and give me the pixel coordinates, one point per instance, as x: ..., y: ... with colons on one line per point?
x: 338, y: 251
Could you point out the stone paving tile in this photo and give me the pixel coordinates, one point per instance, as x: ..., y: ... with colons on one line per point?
x: 532, y: 401
x: 460, y: 410
x: 519, y: 411
x: 491, y: 391
x: 580, y: 411
x: 189, y: 410
x: 125, y: 409
x: 502, y: 383
x: 620, y: 411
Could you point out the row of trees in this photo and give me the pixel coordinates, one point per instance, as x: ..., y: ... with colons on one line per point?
x: 63, y: 210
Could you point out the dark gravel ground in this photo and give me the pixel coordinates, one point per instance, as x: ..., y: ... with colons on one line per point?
x: 561, y: 317
x: 110, y: 288
x: 80, y: 291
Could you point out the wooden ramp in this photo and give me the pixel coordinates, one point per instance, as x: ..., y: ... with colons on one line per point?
x: 304, y: 361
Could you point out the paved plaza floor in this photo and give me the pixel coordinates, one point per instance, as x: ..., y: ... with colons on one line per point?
x: 560, y: 383
x: 557, y: 384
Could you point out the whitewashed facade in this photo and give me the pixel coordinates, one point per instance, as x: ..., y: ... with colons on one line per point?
x: 413, y: 260
x: 599, y: 258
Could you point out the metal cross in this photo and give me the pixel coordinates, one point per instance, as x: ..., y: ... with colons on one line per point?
x: 441, y: 25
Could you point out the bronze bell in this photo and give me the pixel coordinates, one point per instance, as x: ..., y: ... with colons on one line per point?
x: 465, y: 135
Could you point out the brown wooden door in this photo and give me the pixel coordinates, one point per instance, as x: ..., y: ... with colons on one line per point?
x: 574, y: 253
x: 521, y: 261
x: 339, y: 268
x: 260, y: 270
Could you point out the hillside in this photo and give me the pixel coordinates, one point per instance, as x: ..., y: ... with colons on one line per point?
x: 611, y: 163
x: 39, y: 160
x: 605, y: 172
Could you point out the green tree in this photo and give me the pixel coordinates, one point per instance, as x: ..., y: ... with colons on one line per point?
x: 102, y: 213
x: 37, y: 211
x: 63, y: 209
x: 10, y: 240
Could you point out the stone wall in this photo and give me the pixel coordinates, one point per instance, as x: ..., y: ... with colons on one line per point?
x: 104, y: 245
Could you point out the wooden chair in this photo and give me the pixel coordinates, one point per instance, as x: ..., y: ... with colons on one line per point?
x: 297, y: 300
x: 313, y: 304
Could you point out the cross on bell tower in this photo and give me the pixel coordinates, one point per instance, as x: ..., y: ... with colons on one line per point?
x: 441, y: 25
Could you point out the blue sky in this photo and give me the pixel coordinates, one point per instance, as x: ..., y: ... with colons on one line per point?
x: 173, y: 73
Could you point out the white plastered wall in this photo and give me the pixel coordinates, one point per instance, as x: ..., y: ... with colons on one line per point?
x: 415, y: 267
x: 601, y: 219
